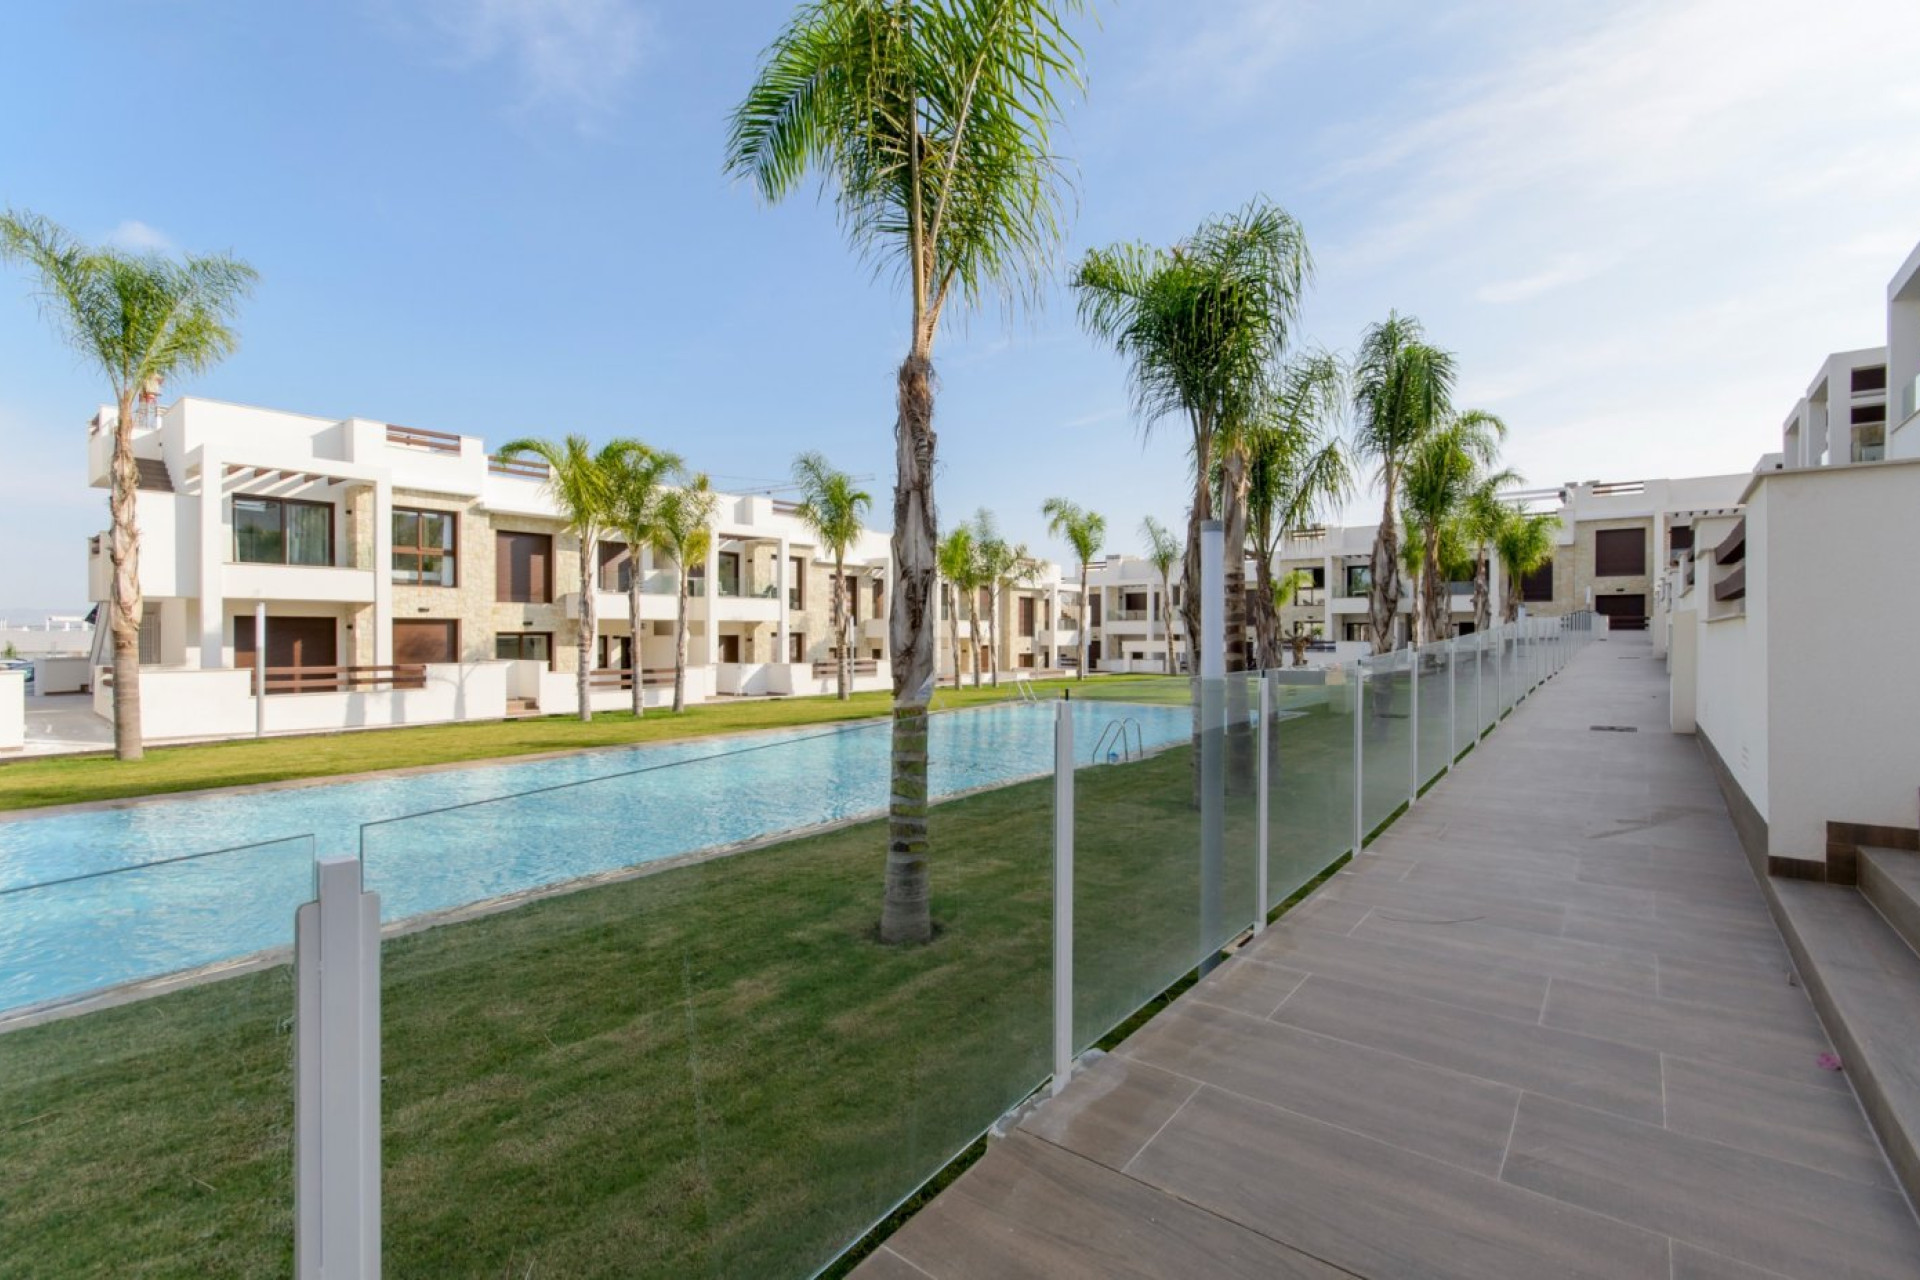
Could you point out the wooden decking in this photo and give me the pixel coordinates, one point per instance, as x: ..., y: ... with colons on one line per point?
x: 1545, y: 1027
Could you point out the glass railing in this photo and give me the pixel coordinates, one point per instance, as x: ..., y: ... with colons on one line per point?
x: 146, y: 1069
x: 636, y: 1012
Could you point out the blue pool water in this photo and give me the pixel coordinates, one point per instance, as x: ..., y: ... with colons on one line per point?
x: 442, y: 839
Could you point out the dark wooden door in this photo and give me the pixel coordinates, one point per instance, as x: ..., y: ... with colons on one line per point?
x: 1628, y: 613
x: 291, y: 642
x: 523, y: 567
x: 418, y: 640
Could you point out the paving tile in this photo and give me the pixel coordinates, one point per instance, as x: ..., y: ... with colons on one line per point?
x: 885, y: 1264
x: 1618, y: 1077
x: 1249, y: 986
x: 1438, y: 1113
x: 1495, y: 987
x: 1748, y: 1207
x: 1548, y: 956
x: 1398, y: 900
x: 1029, y: 1209
x: 1375, y: 1209
x: 1679, y: 939
x: 1821, y: 1128
x: 1756, y: 988
x: 1787, y: 1046
x: 1110, y: 1110
x: 1691, y: 1263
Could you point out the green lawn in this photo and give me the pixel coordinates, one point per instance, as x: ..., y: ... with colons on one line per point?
x: 31, y: 783
x: 714, y: 1070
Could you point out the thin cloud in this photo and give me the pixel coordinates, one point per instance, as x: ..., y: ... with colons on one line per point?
x: 138, y: 237
x: 1570, y: 269
x: 573, y: 56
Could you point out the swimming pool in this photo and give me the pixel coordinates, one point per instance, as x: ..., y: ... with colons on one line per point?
x: 444, y: 838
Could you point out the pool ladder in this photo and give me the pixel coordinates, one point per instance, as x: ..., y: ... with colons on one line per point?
x: 1023, y: 689
x: 1115, y: 746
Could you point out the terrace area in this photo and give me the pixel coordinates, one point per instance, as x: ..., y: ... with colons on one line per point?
x: 1543, y: 1025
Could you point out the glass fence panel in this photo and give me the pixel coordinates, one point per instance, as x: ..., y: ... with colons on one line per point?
x: 1234, y: 896
x: 1436, y: 710
x: 649, y: 1058
x: 1511, y: 675
x: 1467, y: 720
x: 1386, y: 737
x: 1310, y: 776
x: 146, y: 1070
x: 1137, y: 859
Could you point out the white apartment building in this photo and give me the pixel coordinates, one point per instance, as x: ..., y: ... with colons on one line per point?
x: 372, y: 547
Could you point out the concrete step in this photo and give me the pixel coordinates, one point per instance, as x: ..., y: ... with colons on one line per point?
x: 1891, y: 880
x: 1865, y: 983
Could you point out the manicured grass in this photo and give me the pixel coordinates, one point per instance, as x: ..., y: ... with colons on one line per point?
x: 711, y: 1070
x: 68, y: 780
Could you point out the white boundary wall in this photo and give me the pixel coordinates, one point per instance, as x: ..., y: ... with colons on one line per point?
x: 13, y: 710
x: 197, y: 703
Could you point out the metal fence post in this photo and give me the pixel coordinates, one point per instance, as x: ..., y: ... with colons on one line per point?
x: 1453, y: 660
x: 336, y: 1036
x: 1260, y: 829
x: 260, y: 669
x: 1213, y: 737
x: 1062, y: 894
x: 1359, y: 756
x: 1413, y: 738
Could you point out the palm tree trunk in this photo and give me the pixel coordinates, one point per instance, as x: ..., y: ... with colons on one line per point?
x: 1166, y: 616
x: 1430, y: 570
x: 843, y: 662
x: 1384, y: 595
x: 953, y: 628
x: 680, y: 645
x: 994, y: 639
x: 584, y: 676
x: 633, y: 626
x: 124, y: 612
x: 1482, y: 604
x: 1086, y: 611
x: 905, y: 914
x: 973, y: 629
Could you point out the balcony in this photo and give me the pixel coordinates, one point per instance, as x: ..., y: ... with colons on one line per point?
x: 313, y: 583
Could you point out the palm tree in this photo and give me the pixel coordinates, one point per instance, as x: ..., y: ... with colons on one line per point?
x: 140, y: 318
x: 1481, y: 520
x: 1202, y: 326
x: 1442, y: 472
x: 1295, y: 467
x: 1282, y: 593
x: 1402, y: 390
x: 682, y: 532
x: 831, y: 507
x: 579, y: 482
x: 634, y: 486
x: 1524, y: 544
x: 930, y: 120
x: 957, y: 574
x: 1002, y: 565
x: 1162, y: 552
x: 1085, y: 531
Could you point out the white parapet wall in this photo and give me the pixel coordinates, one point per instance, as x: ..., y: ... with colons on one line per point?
x: 61, y: 675
x: 185, y: 703
x: 13, y: 710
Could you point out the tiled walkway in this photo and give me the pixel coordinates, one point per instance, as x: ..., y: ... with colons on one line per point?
x: 1544, y: 1028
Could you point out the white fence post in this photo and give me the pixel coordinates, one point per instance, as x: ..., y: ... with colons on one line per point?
x: 1213, y: 744
x: 1453, y: 660
x: 1260, y: 829
x: 336, y: 1036
x: 1062, y: 894
x: 1359, y: 756
x: 260, y: 669
x: 1413, y: 744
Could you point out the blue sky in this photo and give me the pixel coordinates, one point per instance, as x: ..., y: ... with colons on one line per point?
x: 1640, y: 226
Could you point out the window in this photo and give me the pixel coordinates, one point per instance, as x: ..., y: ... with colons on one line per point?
x: 1870, y: 379
x: 423, y: 547
x: 523, y: 567
x: 418, y: 640
x: 729, y: 573
x: 1027, y: 615
x: 796, y: 647
x: 985, y: 603
x: 730, y: 648
x: 851, y: 602
x: 282, y: 531
x: 1093, y: 611
x: 1359, y: 579
x: 616, y: 653
x: 150, y: 636
x: 1619, y: 553
x: 1537, y: 587
x: 616, y: 564
x: 524, y: 646
x: 879, y: 598
x: 1680, y: 538
x: 797, y: 583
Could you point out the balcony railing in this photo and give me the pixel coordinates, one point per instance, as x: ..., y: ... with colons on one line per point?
x: 522, y: 468
x: 441, y: 442
x: 1910, y: 399
x: 1130, y: 615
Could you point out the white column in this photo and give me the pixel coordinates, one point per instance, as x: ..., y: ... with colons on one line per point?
x: 1062, y: 894
x: 382, y: 568
x: 710, y: 642
x: 1053, y: 625
x: 336, y: 1038
x: 216, y: 548
x: 784, y: 590
x: 260, y: 669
